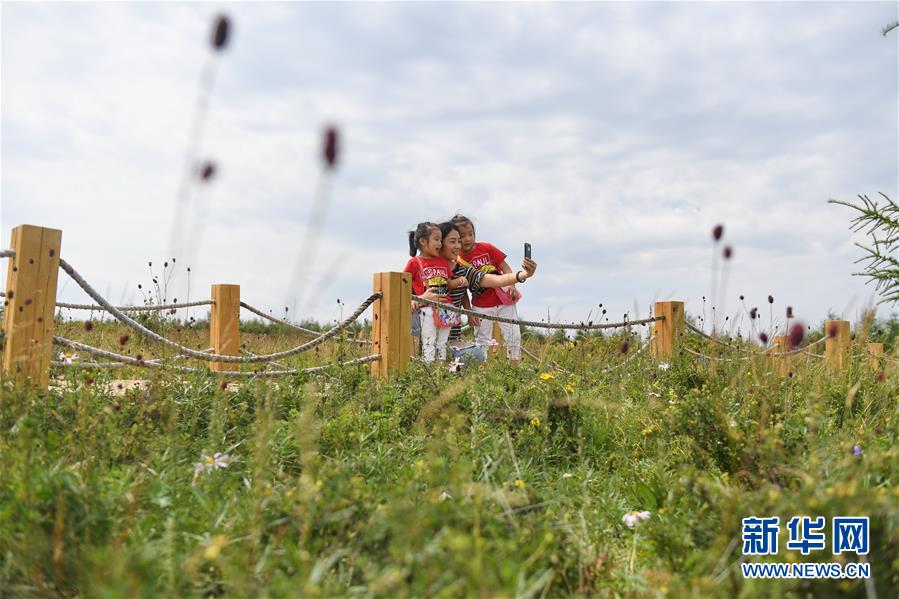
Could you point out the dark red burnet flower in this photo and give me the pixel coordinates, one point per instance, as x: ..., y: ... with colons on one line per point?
x: 789, y: 311
x: 123, y: 338
x: 832, y: 330
x: 625, y: 345
x: 797, y: 333
x: 89, y: 326
x: 330, y: 147
x: 717, y: 232
x: 207, y: 172
x: 770, y: 299
x: 753, y: 313
x: 220, y: 33
x: 728, y: 252
x: 763, y: 337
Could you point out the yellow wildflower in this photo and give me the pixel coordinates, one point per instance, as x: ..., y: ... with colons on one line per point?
x: 519, y: 483
x: 569, y: 388
x: 535, y: 421
x: 545, y: 376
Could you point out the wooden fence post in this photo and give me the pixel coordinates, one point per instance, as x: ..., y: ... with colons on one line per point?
x: 836, y: 346
x: 782, y: 364
x: 29, y: 304
x: 667, y: 332
x: 224, y: 325
x: 391, y: 323
x: 875, y: 354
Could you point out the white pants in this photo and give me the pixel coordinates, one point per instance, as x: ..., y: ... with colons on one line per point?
x: 511, y: 332
x: 433, y: 339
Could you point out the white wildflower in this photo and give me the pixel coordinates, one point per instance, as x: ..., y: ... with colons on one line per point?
x: 444, y: 496
x: 567, y: 475
x: 209, y: 463
x: 455, y: 365
x: 664, y: 366
x: 68, y: 359
x: 631, y: 518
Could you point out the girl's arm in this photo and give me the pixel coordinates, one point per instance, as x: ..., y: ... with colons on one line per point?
x: 493, y: 281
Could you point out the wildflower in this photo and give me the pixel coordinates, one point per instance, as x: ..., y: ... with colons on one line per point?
x: 770, y: 299
x: 568, y: 475
x: 797, y: 332
x: 753, y: 313
x: 789, y: 311
x: 455, y: 365
x: 68, y: 359
x: 329, y: 150
x: 880, y: 376
x: 742, y: 298
x: 89, y: 326
x: 763, y: 337
x: 717, y: 232
x: 624, y: 347
x: 123, y: 338
x: 520, y: 483
x: 857, y: 449
x: 664, y: 366
x: 209, y: 463
x: 220, y: 33
x: 646, y: 431
x: 207, y: 173
x: 569, y: 388
x: 535, y: 421
x: 728, y: 252
x: 492, y: 342
x: 631, y: 518
x: 546, y: 376
x: 444, y: 496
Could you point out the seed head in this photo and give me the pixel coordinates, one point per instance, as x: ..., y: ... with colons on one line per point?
x: 832, y: 330
x: 763, y: 337
x: 880, y: 377
x: 207, y: 172
x: 753, y: 313
x: 220, y: 33
x: 123, y: 338
x: 789, y: 311
x: 89, y: 326
x: 742, y: 298
x: 624, y: 347
x: 717, y: 232
x: 797, y: 332
x: 770, y: 299
x: 330, y: 147
x: 728, y: 252
x: 116, y: 406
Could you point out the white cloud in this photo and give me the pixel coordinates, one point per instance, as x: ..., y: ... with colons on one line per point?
x: 610, y: 136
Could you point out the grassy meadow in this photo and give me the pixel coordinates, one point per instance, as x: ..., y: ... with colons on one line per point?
x: 500, y: 481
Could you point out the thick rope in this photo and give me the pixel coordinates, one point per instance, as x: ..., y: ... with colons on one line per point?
x: 710, y: 358
x: 7, y: 253
x: 122, y: 360
x: 127, y: 320
x: 137, y: 308
x: 274, y: 319
x: 630, y: 357
x: 535, y: 324
x: 717, y: 341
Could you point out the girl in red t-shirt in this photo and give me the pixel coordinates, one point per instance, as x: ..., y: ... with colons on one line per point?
x: 489, y: 259
x: 430, y: 272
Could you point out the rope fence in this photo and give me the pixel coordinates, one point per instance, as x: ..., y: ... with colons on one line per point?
x: 136, y: 326
x: 768, y: 354
x: 534, y: 323
x: 286, y: 323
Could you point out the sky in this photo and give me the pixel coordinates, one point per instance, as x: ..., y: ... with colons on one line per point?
x: 611, y: 136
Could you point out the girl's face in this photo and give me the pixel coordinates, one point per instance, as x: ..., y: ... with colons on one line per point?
x: 452, y: 245
x: 430, y: 245
x: 466, y: 236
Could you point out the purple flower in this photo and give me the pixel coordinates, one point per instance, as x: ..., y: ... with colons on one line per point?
x: 857, y: 449
x: 717, y: 232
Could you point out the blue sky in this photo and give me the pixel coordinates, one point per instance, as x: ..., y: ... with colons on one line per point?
x: 611, y: 136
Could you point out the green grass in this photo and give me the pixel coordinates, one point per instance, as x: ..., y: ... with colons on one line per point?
x: 498, y: 482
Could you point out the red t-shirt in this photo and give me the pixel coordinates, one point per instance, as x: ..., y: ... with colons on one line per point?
x: 486, y: 258
x: 429, y: 272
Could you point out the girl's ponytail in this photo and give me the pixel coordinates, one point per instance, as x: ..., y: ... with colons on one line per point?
x: 422, y: 230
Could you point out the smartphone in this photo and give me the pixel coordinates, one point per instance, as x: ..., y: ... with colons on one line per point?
x: 527, y: 251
